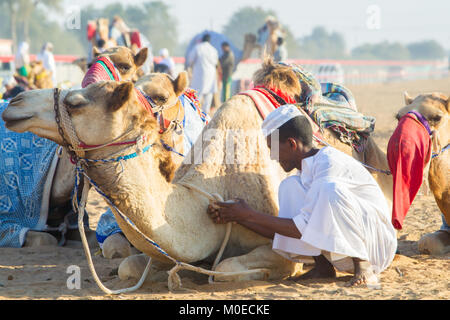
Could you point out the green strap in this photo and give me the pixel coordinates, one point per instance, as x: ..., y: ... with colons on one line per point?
x: 107, y: 70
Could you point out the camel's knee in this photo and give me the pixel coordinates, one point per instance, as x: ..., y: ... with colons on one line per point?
x: 133, y: 267
x: 262, y: 257
x: 116, y: 246
x: 235, y: 265
x: 37, y: 239
x: 437, y: 243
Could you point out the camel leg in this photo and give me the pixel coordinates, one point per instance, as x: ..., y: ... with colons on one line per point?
x: 436, y: 243
x: 133, y: 267
x: 116, y: 246
x: 261, y: 257
x: 37, y: 239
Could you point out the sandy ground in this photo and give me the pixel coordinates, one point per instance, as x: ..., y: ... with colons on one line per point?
x: 41, y: 273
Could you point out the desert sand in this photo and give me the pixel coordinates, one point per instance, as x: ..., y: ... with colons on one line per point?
x: 41, y: 273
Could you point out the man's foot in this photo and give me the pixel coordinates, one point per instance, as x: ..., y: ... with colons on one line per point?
x: 322, y: 269
x: 363, y: 274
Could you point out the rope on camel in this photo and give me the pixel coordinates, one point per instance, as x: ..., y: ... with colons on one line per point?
x: 174, y: 281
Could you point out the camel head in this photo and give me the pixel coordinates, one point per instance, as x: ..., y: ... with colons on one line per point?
x: 124, y: 59
x: 103, y: 28
x: 100, y: 113
x: 39, y: 77
x: 162, y: 88
x: 435, y: 107
x: 277, y: 76
x: 250, y: 44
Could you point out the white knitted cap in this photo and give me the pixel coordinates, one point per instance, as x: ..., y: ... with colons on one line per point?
x: 278, y: 117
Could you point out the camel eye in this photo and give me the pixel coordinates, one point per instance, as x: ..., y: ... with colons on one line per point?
x: 75, y: 105
x: 124, y: 67
x: 75, y: 102
x: 160, y: 98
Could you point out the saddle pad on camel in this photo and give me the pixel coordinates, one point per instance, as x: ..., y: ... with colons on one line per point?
x: 409, y: 150
x: 27, y: 166
x: 265, y: 105
x: 101, y: 69
x: 340, y: 113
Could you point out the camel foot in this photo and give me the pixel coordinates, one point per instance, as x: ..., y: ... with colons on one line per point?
x: 133, y: 267
x: 436, y: 243
x: 116, y: 246
x: 37, y: 239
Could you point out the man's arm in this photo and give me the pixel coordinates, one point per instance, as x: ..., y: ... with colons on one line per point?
x: 263, y: 224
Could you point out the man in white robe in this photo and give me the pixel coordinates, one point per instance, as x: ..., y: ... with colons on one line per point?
x: 48, y: 60
x: 203, y: 60
x: 332, y: 210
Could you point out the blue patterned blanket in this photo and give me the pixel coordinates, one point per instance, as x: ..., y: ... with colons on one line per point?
x: 26, y: 161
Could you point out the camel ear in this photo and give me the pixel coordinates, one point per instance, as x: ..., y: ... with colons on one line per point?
x: 120, y: 95
x: 408, y: 99
x: 95, y: 52
x: 180, y: 83
x: 140, y: 57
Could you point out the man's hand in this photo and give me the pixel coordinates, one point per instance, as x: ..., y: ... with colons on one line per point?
x: 224, y: 212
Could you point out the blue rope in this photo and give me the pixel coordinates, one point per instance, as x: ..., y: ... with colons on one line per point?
x: 169, y: 148
x: 81, y: 171
x: 120, y: 158
x: 438, y: 153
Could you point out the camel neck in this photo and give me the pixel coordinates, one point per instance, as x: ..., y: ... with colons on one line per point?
x: 169, y: 214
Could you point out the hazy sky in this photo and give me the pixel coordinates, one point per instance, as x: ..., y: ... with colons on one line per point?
x: 398, y: 20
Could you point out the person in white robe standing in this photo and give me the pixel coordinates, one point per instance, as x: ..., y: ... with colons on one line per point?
x: 204, y: 59
x: 332, y: 210
x: 48, y: 60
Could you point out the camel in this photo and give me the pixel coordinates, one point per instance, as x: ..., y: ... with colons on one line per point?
x: 435, y: 107
x: 231, y: 160
x: 39, y: 77
x: 63, y: 182
x: 126, y: 62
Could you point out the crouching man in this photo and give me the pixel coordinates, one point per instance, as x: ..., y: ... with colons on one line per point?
x: 332, y: 209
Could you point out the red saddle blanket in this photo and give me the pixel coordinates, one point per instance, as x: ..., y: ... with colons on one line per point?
x: 409, y: 150
x: 266, y: 103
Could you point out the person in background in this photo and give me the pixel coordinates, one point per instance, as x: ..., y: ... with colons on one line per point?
x: 101, y: 45
x: 22, y: 59
x: 227, y: 65
x: 48, y: 60
x: 119, y: 32
x: 166, y: 65
x: 204, y: 60
x: 12, y: 89
x: 281, y: 53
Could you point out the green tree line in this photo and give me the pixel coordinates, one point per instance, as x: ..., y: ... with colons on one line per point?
x: 29, y: 20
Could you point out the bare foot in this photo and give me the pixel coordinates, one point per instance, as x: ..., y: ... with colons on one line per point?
x: 363, y: 274
x: 322, y: 269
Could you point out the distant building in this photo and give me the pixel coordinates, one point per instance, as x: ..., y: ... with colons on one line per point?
x: 6, y: 47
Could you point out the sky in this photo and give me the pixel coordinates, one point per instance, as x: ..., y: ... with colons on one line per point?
x: 360, y: 21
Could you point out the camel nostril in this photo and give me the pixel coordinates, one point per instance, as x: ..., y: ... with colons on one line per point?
x: 16, y: 99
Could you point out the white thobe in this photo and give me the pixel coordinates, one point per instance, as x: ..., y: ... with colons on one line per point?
x: 340, y: 211
x: 204, y: 59
x: 170, y: 65
x: 48, y: 61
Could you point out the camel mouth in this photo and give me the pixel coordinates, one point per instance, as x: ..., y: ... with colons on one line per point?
x: 13, y: 122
